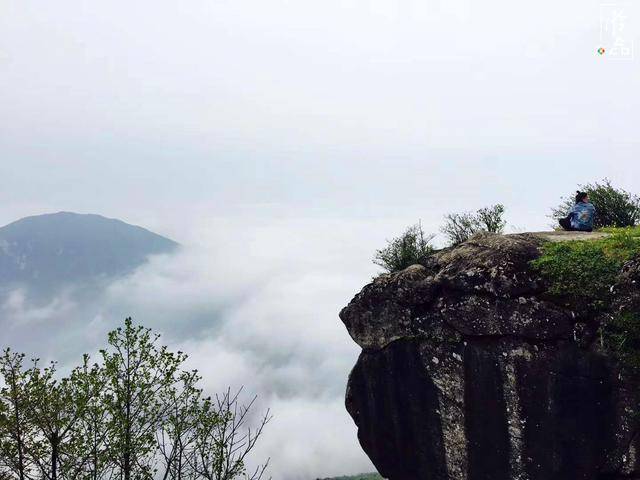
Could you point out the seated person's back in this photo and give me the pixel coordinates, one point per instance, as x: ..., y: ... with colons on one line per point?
x: 583, y: 213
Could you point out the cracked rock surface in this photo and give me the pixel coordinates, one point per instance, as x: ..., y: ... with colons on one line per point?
x: 469, y: 371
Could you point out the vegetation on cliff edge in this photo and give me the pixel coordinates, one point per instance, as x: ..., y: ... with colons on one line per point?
x: 412, y: 247
x: 585, y: 270
x: 581, y: 275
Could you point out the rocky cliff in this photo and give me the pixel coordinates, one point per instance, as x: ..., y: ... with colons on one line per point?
x: 470, y: 371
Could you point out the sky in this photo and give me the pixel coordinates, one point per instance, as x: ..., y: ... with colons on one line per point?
x: 281, y: 142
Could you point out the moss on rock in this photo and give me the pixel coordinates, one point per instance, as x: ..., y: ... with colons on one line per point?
x: 584, y: 271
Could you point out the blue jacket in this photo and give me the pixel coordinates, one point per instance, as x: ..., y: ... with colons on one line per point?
x: 582, y: 216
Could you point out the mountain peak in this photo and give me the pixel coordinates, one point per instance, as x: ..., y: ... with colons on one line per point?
x: 65, y: 247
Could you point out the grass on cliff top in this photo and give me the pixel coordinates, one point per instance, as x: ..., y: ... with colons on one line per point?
x: 585, y: 270
x: 581, y: 273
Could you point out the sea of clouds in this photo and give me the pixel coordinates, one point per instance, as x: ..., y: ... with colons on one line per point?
x: 255, y: 304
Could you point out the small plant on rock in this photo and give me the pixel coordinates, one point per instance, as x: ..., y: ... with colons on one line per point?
x: 410, y: 248
x: 459, y: 227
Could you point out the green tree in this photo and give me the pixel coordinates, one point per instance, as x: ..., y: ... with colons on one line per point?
x: 57, y: 408
x: 615, y: 207
x: 178, y: 433
x: 16, y: 431
x: 89, y: 440
x: 412, y: 247
x: 138, y: 373
x: 50, y: 410
x: 136, y: 415
x: 459, y: 227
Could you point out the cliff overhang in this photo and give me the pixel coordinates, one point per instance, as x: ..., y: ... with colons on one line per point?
x: 471, y: 368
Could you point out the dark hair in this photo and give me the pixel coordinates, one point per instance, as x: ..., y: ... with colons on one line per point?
x: 580, y: 196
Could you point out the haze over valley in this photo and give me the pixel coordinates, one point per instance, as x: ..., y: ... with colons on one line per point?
x: 225, y: 171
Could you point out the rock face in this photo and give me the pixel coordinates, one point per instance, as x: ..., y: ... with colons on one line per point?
x: 470, y: 372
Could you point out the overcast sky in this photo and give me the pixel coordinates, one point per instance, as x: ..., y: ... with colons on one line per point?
x: 281, y: 141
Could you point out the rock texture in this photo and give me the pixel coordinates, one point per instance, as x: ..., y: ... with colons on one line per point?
x: 469, y: 372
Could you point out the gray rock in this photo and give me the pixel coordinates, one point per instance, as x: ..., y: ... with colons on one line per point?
x: 469, y: 372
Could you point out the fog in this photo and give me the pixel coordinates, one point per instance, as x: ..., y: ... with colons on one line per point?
x: 254, y: 305
x: 281, y: 143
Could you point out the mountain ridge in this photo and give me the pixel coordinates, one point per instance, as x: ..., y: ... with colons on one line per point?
x: 40, y: 251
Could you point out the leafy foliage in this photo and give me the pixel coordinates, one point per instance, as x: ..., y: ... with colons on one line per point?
x: 615, y: 207
x: 53, y: 408
x: 459, y: 227
x: 583, y: 272
x: 16, y: 431
x: 136, y: 415
x: 412, y: 247
x: 138, y: 373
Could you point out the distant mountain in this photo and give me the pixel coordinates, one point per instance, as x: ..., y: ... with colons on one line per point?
x: 52, y: 250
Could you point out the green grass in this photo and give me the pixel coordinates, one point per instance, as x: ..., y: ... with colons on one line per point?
x: 581, y: 275
x: 582, y: 272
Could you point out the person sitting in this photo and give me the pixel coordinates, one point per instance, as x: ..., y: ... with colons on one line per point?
x: 582, y: 215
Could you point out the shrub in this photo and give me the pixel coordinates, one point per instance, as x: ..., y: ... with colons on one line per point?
x: 615, y: 207
x: 412, y: 247
x: 459, y: 227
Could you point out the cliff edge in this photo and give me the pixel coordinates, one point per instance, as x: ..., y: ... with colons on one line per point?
x: 471, y: 370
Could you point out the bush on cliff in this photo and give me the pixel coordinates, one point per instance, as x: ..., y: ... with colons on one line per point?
x: 615, y: 207
x: 412, y: 247
x: 459, y: 227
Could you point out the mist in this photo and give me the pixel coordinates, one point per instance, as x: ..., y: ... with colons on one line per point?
x: 281, y: 143
x: 255, y: 305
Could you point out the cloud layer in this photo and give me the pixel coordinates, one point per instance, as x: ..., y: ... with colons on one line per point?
x: 281, y: 142
x: 255, y: 306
